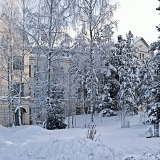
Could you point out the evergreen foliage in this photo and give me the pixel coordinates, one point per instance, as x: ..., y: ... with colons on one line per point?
x: 108, y: 88
x: 146, y: 77
x: 93, y: 46
x: 127, y: 66
x: 153, y: 109
x: 55, y: 112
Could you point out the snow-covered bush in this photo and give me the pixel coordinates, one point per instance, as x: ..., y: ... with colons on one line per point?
x: 154, y: 112
x: 107, y: 113
x: 55, y: 111
x: 149, y: 132
x: 91, y: 132
x: 130, y: 158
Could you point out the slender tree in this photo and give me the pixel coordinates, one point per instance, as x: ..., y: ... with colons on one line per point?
x: 95, y: 18
x: 47, y: 30
x: 9, y: 50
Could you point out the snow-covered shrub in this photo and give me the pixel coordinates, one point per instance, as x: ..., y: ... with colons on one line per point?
x: 153, y: 112
x: 55, y: 111
x: 130, y: 158
x: 91, y: 132
x: 107, y: 113
x: 149, y: 131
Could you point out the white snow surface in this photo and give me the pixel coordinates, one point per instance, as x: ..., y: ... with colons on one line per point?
x: 111, y: 142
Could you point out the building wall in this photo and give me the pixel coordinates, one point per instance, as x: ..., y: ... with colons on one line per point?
x: 4, y: 114
x: 143, y: 50
x: 25, y: 100
x: 62, y: 75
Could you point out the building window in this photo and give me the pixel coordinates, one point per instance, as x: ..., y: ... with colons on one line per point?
x: 18, y: 63
x: 142, y: 56
x: 29, y: 70
x: 16, y: 89
x: 36, y: 71
x: 66, y: 54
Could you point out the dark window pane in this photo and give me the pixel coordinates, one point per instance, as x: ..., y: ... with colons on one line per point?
x: 16, y: 89
x: 29, y: 70
x: 18, y: 63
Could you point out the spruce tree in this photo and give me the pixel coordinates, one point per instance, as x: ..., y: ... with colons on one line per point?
x: 154, y: 109
x: 55, y: 111
x: 145, y: 86
x: 128, y: 77
x: 108, y: 87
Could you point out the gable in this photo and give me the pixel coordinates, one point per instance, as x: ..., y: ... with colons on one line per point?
x: 143, y: 50
x: 144, y: 46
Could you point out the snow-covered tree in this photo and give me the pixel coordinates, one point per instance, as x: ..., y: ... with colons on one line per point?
x: 55, y: 112
x: 128, y: 77
x: 145, y: 86
x: 154, y: 108
x: 93, y: 40
x: 146, y: 78
x: 37, y: 84
x: 6, y: 54
x: 12, y: 47
x: 108, y: 87
x: 47, y: 30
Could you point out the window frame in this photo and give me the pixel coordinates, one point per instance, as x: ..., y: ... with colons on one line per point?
x: 15, y: 89
x: 18, y: 63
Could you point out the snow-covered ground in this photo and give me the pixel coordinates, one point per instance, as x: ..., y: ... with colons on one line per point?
x: 113, y: 142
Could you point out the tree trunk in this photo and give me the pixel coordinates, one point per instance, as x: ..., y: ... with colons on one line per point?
x: 22, y: 66
x: 91, y: 62
x: 156, y: 129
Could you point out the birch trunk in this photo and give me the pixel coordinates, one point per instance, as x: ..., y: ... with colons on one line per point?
x: 22, y: 65
x: 91, y: 60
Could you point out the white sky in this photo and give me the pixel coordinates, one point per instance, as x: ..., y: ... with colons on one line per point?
x: 139, y: 16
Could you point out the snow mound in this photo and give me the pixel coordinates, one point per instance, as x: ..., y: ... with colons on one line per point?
x: 2, y: 128
x: 66, y: 149
x: 73, y: 149
x: 29, y: 131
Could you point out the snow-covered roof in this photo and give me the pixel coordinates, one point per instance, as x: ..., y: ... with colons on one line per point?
x: 136, y: 39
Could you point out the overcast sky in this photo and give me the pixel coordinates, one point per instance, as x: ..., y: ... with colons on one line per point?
x: 139, y: 16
